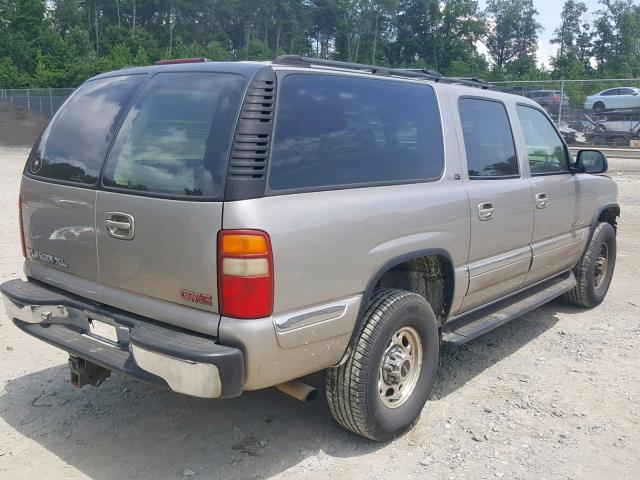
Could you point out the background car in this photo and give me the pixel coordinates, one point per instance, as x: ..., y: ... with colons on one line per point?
x: 614, y: 98
x: 550, y: 100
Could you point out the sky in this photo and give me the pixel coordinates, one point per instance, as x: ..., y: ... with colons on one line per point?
x: 549, y: 17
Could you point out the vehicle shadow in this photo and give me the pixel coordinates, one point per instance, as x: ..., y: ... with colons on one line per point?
x: 129, y: 429
x: 459, y: 365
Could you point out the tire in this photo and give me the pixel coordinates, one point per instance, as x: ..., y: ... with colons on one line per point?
x: 354, y: 388
x: 594, y: 279
x: 598, y: 107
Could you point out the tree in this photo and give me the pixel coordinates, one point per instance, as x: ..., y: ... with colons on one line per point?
x: 435, y: 34
x: 617, y: 38
x: 572, y: 39
x: 512, y: 39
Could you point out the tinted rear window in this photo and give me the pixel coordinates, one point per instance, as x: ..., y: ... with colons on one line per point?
x: 175, y: 138
x: 333, y: 130
x: 73, y: 146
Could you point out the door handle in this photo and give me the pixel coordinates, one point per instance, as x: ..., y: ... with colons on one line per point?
x: 485, y: 211
x: 541, y: 200
x: 119, y: 225
x: 112, y: 224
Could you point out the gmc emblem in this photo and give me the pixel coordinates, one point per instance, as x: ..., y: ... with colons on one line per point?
x: 195, y: 297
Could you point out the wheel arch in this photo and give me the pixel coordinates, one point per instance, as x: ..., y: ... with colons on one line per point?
x: 447, y: 268
x: 607, y: 213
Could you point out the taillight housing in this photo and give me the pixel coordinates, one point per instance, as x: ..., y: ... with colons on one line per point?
x: 22, y: 242
x: 245, y: 274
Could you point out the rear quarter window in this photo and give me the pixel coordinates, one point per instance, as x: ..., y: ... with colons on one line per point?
x: 176, y: 136
x: 334, y: 131
x: 73, y: 146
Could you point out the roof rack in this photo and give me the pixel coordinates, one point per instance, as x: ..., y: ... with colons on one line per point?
x: 181, y: 60
x: 299, y: 61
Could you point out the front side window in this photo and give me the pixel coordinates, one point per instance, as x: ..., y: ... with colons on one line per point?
x: 488, y: 140
x: 73, y: 146
x: 545, y: 150
x: 176, y: 136
x: 334, y: 130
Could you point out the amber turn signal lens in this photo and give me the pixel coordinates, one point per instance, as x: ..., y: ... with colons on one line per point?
x: 244, y: 245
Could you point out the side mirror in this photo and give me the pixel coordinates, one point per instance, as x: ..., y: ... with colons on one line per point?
x: 591, y: 161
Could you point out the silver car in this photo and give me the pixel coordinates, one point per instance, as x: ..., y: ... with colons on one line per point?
x: 614, y: 99
x: 214, y: 228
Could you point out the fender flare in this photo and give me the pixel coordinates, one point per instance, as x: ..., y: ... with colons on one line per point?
x: 596, y: 216
x: 594, y: 221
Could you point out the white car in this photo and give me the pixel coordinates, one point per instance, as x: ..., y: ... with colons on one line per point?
x: 614, y: 98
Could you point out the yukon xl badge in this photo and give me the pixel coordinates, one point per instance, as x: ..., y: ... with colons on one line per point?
x: 45, y: 257
x: 195, y: 297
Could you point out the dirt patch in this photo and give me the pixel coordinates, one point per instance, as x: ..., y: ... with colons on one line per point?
x: 19, y: 126
x: 554, y: 395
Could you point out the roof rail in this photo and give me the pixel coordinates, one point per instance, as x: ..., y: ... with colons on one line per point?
x: 181, y: 60
x: 299, y: 61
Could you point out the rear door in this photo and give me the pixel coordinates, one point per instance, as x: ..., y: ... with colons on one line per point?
x: 160, y: 209
x: 499, y: 201
x: 59, y: 188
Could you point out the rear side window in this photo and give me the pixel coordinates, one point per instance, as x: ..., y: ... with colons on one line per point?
x: 337, y: 131
x: 176, y: 136
x: 73, y: 146
x: 488, y: 140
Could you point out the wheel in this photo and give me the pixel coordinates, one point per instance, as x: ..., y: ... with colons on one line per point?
x: 380, y: 390
x: 598, y: 107
x: 595, y: 270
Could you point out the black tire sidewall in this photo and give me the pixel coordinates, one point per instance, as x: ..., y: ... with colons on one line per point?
x: 389, y: 422
x: 604, y: 233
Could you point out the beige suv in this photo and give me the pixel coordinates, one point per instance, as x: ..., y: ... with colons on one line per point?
x: 219, y: 227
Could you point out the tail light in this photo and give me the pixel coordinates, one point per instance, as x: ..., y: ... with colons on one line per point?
x: 245, y: 274
x: 22, y: 243
x: 555, y: 98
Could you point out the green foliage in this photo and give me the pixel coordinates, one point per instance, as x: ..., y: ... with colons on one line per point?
x: 512, y: 38
x: 61, y: 43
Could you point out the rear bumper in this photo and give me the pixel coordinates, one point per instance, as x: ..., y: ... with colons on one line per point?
x: 180, y: 360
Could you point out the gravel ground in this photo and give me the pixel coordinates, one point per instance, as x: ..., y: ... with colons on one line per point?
x: 553, y: 395
x: 19, y: 125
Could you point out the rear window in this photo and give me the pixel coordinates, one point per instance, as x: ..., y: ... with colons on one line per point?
x: 176, y: 136
x: 73, y: 146
x: 336, y: 131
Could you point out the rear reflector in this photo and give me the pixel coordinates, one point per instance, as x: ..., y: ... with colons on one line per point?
x: 245, y: 274
x: 181, y: 60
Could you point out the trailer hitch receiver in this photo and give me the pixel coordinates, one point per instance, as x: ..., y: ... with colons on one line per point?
x: 83, y: 372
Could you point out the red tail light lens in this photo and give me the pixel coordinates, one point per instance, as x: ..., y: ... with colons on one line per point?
x: 22, y: 243
x: 245, y: 274
x: 556, y: 98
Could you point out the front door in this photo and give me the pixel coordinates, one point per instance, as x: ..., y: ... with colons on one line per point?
x: 499, y: 200
x: 559, y: 234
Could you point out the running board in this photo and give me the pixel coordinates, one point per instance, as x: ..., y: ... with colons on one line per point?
x: 481, y: 321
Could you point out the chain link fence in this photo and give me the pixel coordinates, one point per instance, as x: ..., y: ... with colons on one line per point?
x: 43, y: 100
x: 599, y: 113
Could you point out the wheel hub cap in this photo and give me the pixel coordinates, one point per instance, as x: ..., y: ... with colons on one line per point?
x: 400, y: 367
x: 601, y: 265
